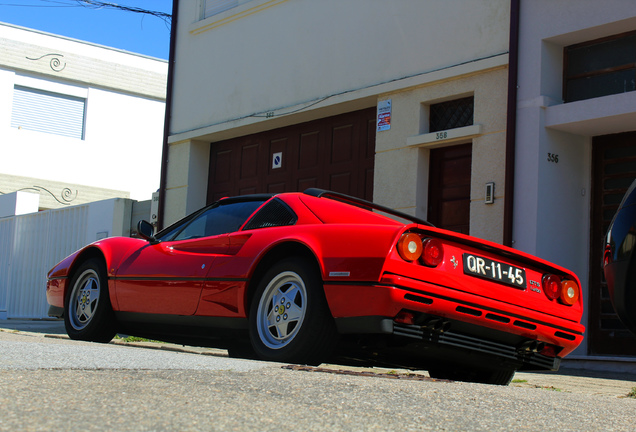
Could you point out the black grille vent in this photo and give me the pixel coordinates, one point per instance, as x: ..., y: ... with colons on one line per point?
x: 524, y: 325
x: 452, y: 114
x: 275, y: 213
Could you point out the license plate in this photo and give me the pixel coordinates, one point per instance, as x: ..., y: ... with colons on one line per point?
x: 475, y: 265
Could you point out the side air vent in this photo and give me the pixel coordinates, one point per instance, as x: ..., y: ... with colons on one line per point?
x: 525, y: 325
x: 468, y: 311
x: 567, y: 336
x: 419, y: 299
x: 274, y: 213
x: 499, y: 318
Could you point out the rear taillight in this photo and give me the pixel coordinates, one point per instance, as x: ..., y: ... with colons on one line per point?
x: 567, y: 291
x: 433, y: 253
x: 410, y: 246
x: 551, y: 286
x: 429, y: 251
x: 570, y: 292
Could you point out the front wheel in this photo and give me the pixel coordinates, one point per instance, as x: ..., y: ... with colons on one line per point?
x: 290, y: 320
x: 88, y: 313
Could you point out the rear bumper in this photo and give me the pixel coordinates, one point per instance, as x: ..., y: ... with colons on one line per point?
x: 450, y: 337
x: 471, y: 321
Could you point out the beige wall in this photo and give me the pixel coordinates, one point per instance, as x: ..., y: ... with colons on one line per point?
x: 57, y: 57
x: 187, y: 179
x: 277, y: 56
x: 124, y: 112
x: 54, y: 194
x: 402, y: 153
x: 272, y: 63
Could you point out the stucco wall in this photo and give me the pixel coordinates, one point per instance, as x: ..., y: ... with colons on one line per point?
x: 553, y: 200
x: 271, y: 63
x: 401, y: 170
x: 187, y: 180
x: 277, y: 56
x: 81, y: 62
x: 124, y: 113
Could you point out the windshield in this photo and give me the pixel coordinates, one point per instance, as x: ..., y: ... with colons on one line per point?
x: 218, y: 219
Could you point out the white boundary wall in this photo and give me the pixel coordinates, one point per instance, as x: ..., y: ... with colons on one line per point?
x: 31, y: 244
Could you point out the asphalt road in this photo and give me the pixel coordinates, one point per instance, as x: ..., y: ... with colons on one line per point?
x: 57, y: 384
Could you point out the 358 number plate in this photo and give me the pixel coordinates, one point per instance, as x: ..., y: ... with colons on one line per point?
x: 494, y: 270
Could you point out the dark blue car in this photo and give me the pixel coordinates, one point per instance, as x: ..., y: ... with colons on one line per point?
x: 619, y: 259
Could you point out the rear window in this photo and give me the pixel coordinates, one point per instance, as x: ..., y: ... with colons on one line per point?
x: 273, y: 214
x: 334, y: 212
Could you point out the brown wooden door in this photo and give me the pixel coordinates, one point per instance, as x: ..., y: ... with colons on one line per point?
x: 335, y: 153
x: 613, y: 170
x: 449, y: 187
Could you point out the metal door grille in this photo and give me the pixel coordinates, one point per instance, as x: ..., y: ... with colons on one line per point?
x: 452, y: 114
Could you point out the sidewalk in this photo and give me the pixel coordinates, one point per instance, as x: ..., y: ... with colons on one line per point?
x: 588, y: 377
x: 45, y: 326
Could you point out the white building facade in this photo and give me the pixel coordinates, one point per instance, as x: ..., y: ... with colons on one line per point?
x: 78, y: 122
x: 422, y: 106
x: 576, y: 144
x: 381, y: 100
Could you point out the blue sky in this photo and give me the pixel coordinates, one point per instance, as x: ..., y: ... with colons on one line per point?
x: 134, y: 32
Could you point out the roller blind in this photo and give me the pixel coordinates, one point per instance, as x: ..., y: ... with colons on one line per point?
x: 48, y: 112
x: 213, y: 7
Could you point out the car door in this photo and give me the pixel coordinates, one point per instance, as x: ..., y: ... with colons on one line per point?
x: 167, y: 276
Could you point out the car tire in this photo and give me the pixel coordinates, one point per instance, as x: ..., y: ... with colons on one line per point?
x: 290, y: 320
x: 88, y: 312
x: 501, y: 376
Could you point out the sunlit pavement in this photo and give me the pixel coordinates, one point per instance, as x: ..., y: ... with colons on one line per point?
x: 593, y: 378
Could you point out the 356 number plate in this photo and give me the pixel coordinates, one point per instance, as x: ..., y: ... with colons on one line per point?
x: 494, y: 270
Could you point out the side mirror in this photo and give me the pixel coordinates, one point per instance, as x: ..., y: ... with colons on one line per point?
x: 146, y: 231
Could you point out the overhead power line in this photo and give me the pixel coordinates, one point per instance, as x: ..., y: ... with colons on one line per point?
x: 97, y: 4
x: 92, y: 4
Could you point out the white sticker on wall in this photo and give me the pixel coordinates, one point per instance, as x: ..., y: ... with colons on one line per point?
x: 277, y: 160
x: 384, y: 115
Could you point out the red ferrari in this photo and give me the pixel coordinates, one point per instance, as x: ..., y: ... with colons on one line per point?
x: 306, y: 277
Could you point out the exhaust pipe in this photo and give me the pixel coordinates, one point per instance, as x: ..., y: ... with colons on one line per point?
x: 531, y: 347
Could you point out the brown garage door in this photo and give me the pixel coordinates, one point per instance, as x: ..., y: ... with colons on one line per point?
x: 335, y: 153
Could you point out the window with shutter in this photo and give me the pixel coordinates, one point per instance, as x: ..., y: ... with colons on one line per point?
x: 43, y: 111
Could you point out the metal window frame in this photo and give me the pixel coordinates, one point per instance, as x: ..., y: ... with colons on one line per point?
x: 48, y: 112
x: 567, y: 78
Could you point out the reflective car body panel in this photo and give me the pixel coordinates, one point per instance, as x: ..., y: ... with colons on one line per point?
x: 619, y: 260
x: 446, y: 291
x: 481, y: 298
